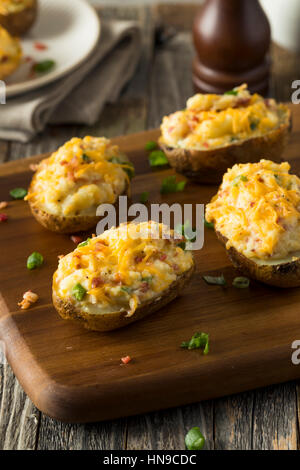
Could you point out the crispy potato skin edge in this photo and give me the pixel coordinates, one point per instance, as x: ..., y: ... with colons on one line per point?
x: 209, y: 166
x: 281, y: 275
x: 113, y: 321
x: 19, y: 23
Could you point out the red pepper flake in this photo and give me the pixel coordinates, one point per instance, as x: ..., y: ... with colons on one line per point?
x: 126, y: 359
x: 3, y: 217
x: 40, y: 46
x: 96, y: 282
x: 76, y: 239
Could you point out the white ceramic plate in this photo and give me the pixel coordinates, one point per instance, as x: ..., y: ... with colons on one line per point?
x: 69, y: 29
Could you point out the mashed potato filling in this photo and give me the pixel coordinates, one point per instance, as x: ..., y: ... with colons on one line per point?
x: 82, y: 174
x: 10, y: 53
x: 257, y: 208
x: 122, y: 268
x: 212, y: 121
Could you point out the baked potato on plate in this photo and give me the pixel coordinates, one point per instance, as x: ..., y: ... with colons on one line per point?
x: 256, y: 214
x: 17, y: 16
x: 216, y: 131
x: 121, y: 276
x: 10, y: 53
x: 68, y: 186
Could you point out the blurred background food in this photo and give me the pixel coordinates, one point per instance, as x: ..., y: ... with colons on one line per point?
x: 17, y: 16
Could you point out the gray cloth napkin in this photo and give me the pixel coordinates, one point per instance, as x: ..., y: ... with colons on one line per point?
x: 80, y: 96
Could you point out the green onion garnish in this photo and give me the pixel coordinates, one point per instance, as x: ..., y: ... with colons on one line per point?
x: 158, y: 158
x: 86, y: 242
x: 18, y: 193
x: 208, y: 224
x: 78, y: 292
x: 35, y: 260
x: 218, y: 280
x: 128, y: 166
x: 197, y: 341
x: 170, y: 185
x: 239, y: 178
x: 151, y: 145
x: 44, y: 66
x: 126, y: 289
x: 241, y: 282
x: 86, y: 158
x: 144, y: 197
x: 231, y: 92
x: 194, y: 440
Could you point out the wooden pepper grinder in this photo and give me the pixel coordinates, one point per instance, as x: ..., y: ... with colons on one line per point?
x: 232, y: 40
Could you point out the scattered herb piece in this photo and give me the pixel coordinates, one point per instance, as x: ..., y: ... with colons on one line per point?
x: 238, y: 179
x: 35, y: 260
x: 254, y: 124
x: 126, y: 289
x: 78, y: 292
x: 194, y: 440
x: 128, y: 166
x: 18, y: 193
x: 170, y: 185
x: 44, y: 66
x: 241, y: 282
x: 231, y: 92
x: 86, y: 242
x: 182, y: 245
x: 218, y: 280
x: 151, y: 145
x: 158, y: 158
x: 197, y: 341
x: 144, y: 197
x: 86, y: 158
x: 208, y: 224
x: 147, y: 279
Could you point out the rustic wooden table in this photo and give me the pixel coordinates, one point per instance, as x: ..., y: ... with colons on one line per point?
x: 262, y: 419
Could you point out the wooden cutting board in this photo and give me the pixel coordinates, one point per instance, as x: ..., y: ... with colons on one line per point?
x: 75, y: 375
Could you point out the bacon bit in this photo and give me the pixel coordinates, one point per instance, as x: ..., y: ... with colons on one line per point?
x: 242, y: 101
x: 118, y: 278
x: 163, y: 257
x: 3, y: 217
x: 261, y: 180
x: 175, y: 267
x: 4, y: 59
x: 28, y: 59
x: 138, y: 259
x: 99, y: 246
x: 33, y: 166
x: 3, y: 204
x: 170, y: 129
x: 76, y: 239
x: 195, y: 118
x: 96, y: 282
x: 40, y: 46
x: 126, y: 359
x: 63, y: 162
x: 71, y: 176
x: 144, y: 287
x: 29, y: 298
x: 205, y: 144
x: 78, y: 266
x: 252, y: 204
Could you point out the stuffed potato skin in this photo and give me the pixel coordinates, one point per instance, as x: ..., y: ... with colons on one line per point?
x: 208, y: 166
x: 68, y: 186
x: 285, y: 275
x: 10, y: 53
x: 20, y: 20
x: 116, y: 320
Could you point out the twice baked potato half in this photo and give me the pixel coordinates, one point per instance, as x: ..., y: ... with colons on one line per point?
x: 256, y: 215
x: 81, y: 175
x: 10, y: 53
x: 215, y: 132
x: 121, y: 276
x: 17, y: 16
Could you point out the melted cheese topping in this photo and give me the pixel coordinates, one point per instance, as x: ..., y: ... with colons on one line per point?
x: 14, y: 6
x: 212, y: 121
x: 82, y: 174
x: 10, y: 53
x: 257, y: 208
x: 123, y: 267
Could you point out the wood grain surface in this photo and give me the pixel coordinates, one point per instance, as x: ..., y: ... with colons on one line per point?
x: 162, y: 83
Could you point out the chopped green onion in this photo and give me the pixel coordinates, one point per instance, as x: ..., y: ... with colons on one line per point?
x: 241, y: 282
x: 231, y: 92
x: 35, y: 260
x: 208, y: 224
x: 158, y: 158
x: 86, y: 242
x: 151, y: 145
x: 144, y: 197
x: 86, y: 158
x: 18, y: 193
x: 44, y: 66
x: 254, y: 123
x: 194, y: 440
x: 78, y: 292
x: 238, y: 179
x: 126, y: 289
x: 147, y: 279
x: 129, y: 168
x: 197, y: 341
x: 170, y: 185
x: 182, y: 245
x: 218, y: 280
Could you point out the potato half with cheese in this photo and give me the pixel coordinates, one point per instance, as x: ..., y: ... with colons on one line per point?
x: 121, y: 276
x: 256, y: 214
x: 10, y: 53
x: 216, y: 131
x: 68, y: 186
x: 17, y: 16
